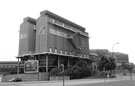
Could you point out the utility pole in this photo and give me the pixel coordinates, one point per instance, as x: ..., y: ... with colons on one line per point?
x: 113, y: 56
x: 130, y: 73
x: 62, y: 65
x: 104, y: 75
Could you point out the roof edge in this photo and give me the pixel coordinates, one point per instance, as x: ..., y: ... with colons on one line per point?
x: 29, y: 19
x: 46, y: 12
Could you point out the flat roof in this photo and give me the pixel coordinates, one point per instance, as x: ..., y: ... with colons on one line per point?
x: 8, y: 62
x: 29, y: 19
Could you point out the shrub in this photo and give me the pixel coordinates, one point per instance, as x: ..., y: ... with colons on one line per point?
x: 80, y: 70
x: 55, y: 72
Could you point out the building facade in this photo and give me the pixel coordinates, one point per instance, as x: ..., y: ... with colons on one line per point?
x: 8, y: 67
x: 51, y: 40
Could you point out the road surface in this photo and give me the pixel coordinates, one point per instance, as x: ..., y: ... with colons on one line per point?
x: 119, y: 81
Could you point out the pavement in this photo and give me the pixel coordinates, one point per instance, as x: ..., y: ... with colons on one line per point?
x: 120, y: 77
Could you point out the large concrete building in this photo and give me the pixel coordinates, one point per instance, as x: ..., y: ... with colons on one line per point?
x: 51, y: 40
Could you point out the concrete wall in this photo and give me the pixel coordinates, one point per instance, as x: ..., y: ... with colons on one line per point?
x: 58, y: 39
x: 55, y: 78
x: 41, y: 34
x: 27, y: 36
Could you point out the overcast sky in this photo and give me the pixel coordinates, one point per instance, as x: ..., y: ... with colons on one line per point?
x: 106, y: 21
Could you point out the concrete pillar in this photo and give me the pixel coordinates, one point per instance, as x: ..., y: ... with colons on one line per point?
x: 76, y: 61
x: 47, y: 63
x: 68, y: 62
x: 18, y: 66
x: 58, y: 61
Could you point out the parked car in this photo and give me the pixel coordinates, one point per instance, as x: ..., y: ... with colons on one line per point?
x: 16, y: 80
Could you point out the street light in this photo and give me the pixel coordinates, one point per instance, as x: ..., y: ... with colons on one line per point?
x: 62, y: 65
x: 104, y: 74
x: 112, y: 54
x: 113, y: 50
x: 114, y: 45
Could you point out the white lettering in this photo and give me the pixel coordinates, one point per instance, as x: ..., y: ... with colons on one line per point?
x: 58, y: 33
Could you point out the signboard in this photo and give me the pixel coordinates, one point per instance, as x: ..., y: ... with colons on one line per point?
x: 31, y: 66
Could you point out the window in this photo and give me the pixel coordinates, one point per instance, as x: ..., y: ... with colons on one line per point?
x: 22, y: 36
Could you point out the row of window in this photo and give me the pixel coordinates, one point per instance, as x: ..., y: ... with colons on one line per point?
x: 22, y: 36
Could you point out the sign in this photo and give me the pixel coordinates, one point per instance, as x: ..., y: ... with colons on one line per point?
x: 57, y: 33
x: 31, y: 66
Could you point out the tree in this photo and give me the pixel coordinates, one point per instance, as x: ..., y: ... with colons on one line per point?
x: 56, y: 72
x: 80, y: 70
x: 123, y: 65
x: 73, y: 72
x: 128, y: 66
x: 102, y: 63
x: 107, y: 62
x: 112, y: 64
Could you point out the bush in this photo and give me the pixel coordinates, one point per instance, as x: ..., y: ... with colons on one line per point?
x: 94, y: 73
x: 73, y: 72
x: 80, y: 70
x: 55, y: 72
x: 76, y: 72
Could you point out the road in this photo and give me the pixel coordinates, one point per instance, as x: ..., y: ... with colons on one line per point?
x: 119, y: 81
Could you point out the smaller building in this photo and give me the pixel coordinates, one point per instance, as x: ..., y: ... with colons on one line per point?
x: 120, y: 58
x: 96, y: 55
x: 8, y: 67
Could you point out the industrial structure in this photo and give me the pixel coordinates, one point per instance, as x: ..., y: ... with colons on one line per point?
x: 8, y: 67
x: 50, y: 41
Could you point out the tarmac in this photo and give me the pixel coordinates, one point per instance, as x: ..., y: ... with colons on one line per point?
x: 120, y: 77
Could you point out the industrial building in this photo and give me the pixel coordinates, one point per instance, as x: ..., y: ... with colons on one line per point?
x: 8, y: 67
x: 50, y: 41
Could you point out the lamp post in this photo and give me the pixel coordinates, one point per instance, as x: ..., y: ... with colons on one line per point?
x: 113, y: 49
x: 113, y: 46
x: 113, y: 54
x: 62, y: 65
x: 104, y: 74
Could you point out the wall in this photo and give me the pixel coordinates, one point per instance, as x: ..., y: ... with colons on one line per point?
x: 27, y: 36
x: 58, y: 39
x: 41, y: 34
x: 27, y: 77
x: 23, y: 39
x: 55, y: 78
